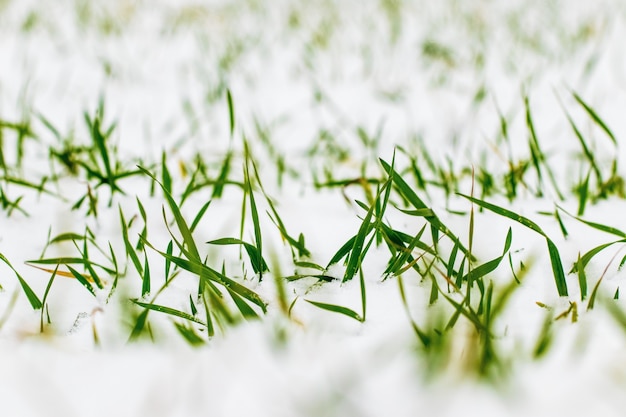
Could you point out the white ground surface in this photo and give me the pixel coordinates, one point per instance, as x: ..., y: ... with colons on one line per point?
x: 150, y: 58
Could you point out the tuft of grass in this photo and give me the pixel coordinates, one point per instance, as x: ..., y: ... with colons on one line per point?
x: 191, y: 262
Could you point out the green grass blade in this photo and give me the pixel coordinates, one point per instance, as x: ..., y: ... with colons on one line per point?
x: 199, y: 216
x: 555, y: 258
x: 30, y: 294
x: 258, y: 263
x: 586, y: 151
x: 582, y: 278
x: 180, y: 220
x: 342, y: 252
x: 166, y: 178
x: 70, y: 261
x: 488, y: 267
x: 231, y: 112
x: 537, y: 155
x: 595, y: 117
x: 169, y: 311
x: 189, y: 334
x: 337, y: 309
x: 209, y: 274
x: 140, y: 324
x: 246, y: 311
x: 586, y: 258
x: 253, y: 210
x: 80, y: 278
x: 145, y: 285
x: 130, y: 250
x: 363, y: 295
x: 597, y: 226
x: 45, y: 296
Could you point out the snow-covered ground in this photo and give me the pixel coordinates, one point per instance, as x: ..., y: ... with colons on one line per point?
x: 319, y: 91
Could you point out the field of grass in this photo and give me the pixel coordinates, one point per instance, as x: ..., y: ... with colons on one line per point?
x: 312, y: 208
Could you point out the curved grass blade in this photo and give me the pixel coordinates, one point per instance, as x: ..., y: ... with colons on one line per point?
x: 407, y: 193
x: 180, y: 220
x: 598, y: 226
x: 168, y: 310
x: 30, y: 294
x: 555, y: 258
x: 45, y: 298
x: 488, y: 267
x: 595, y: 117
x: 246, y: 311
x: 258, y: 263
x: 337, y: 309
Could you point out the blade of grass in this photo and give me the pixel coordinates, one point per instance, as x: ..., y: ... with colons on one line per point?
x: 80, y: 278
x: 45, y: 296
x: 337, y: 309
x: 594, y: 116
x: 253, y: 209
x: 168, y: 310
x: 555, y: 258
x: 30, y: 294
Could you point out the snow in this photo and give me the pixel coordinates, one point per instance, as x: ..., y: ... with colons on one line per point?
x: 162, y: 68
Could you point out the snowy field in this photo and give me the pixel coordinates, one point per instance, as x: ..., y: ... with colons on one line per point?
x: 312, y: 208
